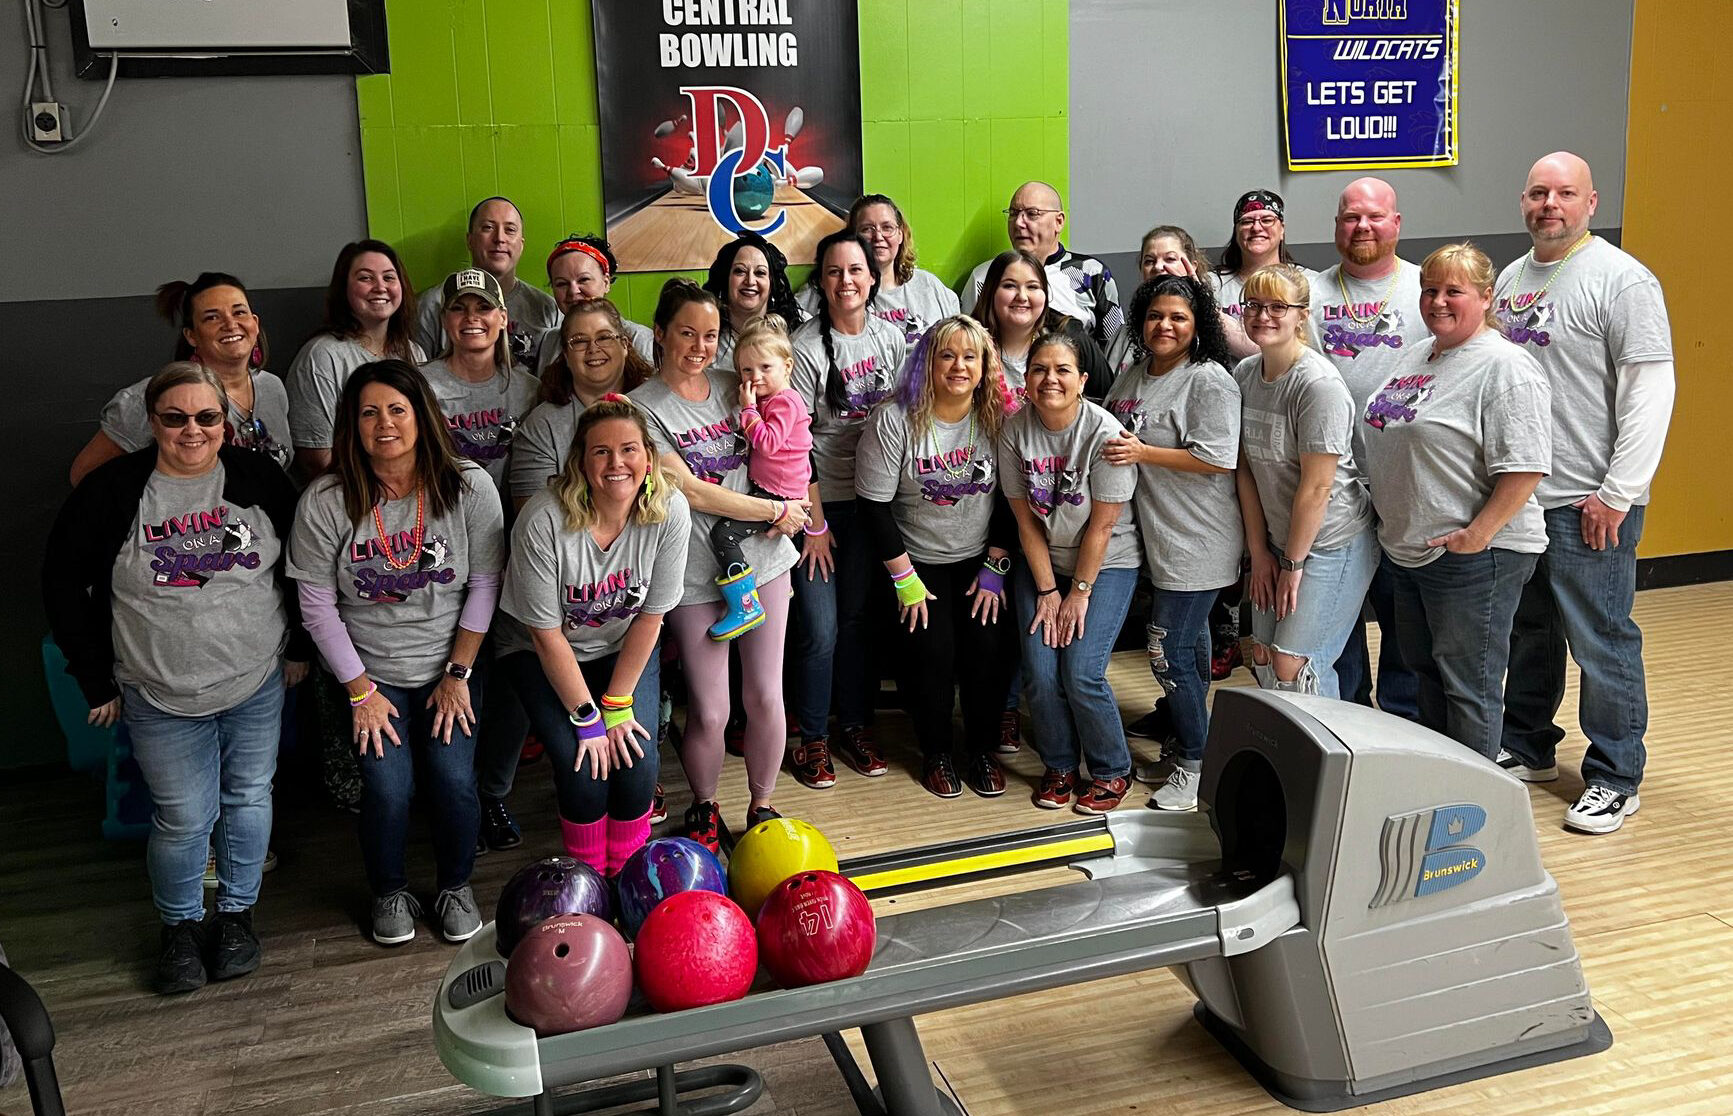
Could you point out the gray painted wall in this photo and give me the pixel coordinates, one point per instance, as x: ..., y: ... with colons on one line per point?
x: 1176, y: 111
x: 257, y: 176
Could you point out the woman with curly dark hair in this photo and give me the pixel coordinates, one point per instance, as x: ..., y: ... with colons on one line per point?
x: 749, y: 278
x: 1181, y: 411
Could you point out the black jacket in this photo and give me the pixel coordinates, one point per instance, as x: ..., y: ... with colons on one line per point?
x: 96, y: 521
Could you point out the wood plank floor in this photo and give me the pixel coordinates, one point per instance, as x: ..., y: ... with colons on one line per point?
x: 334, y: 1024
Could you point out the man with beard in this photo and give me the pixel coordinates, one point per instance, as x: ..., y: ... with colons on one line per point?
x: 1595, y: 320
x: 1365, y: 316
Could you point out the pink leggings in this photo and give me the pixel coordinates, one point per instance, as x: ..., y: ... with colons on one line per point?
x: 705, y: 664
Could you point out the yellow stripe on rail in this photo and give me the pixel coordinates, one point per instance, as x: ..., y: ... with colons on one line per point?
x: 1058, y: 851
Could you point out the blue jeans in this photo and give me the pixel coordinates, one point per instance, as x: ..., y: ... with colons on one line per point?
x: 1328, y: 609
x: 447, y: 776
x: 624, y: 794
x: 1581, y: 598
x: 210, y: 789
x: 1070, y: 702
x: 832, y: 635
x: 1179, y: 657
x: 1398, y: 688
x: 1453, y: 616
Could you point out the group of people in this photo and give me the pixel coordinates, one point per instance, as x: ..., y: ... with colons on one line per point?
x: 487, y: 513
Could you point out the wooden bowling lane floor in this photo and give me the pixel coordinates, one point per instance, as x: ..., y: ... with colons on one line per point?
x: 334, y: 1024
x: 676, y: 232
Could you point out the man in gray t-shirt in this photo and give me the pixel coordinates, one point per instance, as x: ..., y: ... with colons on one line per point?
x: 1365, y: 318
x: 1595, y: 320
x: 496, y: 244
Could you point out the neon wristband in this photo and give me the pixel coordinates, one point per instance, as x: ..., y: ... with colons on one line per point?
x: 613, y: 701
x: 991, y: 581
x: 591, y: 730
x: 613, y: 715
x: 357, y: 701
x: 824, y: 530
x: 911, y: 592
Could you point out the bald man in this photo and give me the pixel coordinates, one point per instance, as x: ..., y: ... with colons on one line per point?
x: 496, y: 244
x: 1595, y: 320
x: 1078, y: 285
x: 1365, y: 316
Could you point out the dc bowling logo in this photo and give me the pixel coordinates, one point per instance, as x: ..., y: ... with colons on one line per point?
x: 735, y: 169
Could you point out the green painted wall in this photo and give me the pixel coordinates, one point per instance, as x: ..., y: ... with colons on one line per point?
x: 961, y: 101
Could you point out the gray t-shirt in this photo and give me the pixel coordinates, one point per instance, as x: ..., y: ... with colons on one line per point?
x: 1438, y: 433
x: 198, y: 617
x: 912, y: 307
x: 868, y: 361
x: 1307, y: 410
x: 939, y: 482
x: 642, y: 337
x: 1190, y: 522
x: 530, y: 312
x: 706, y: 435
x: 1062, y: 475
x: 543, y: 441
x: 266, y: 430
x: 1366, y: 334
x: 1230, y: 290
x: 316, y: 381
x: 1603, y: 311
x: 561, y: 579
x: 401, y: 621
x: 483, y: 417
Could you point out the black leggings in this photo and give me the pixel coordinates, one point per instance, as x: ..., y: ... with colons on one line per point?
x: 956, y: 650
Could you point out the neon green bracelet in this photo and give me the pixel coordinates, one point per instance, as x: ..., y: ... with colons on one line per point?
x: 612, y: 717
x: 911, y: 591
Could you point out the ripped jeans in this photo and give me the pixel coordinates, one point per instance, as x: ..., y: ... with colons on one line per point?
x: 1331, y: 591
x: 1178, y: 641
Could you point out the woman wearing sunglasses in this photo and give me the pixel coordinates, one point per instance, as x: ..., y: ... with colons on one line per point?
x: 1307, y: 516
x: 164, y: 587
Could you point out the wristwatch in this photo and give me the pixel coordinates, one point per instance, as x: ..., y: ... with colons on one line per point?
x: 458, y: 671
x: 584, y: 713
x: 1287, y: 563
x: 998, y: 565
x: 1083, y: 587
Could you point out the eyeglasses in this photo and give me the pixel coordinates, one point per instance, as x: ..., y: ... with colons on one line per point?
x: 581, y: 344
x: 1264, y: 222
x: 174, y: 420
x: 1277, y: 310
x: 1028, y: 212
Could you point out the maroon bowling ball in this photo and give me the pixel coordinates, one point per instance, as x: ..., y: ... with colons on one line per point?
x: 555, y: 885
x: 695, y: 948
x: 814, y: 927
x: 569, y: 973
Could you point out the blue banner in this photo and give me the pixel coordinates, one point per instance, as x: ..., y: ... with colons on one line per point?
x: 1369, y: 84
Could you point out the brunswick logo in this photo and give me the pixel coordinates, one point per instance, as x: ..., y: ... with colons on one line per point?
x: 1341, y: 12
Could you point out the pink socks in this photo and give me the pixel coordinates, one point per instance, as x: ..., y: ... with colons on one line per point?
x: 588, y: 842
x: 624, y: 839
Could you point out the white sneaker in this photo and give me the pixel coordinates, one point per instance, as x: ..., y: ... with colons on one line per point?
x: 1523, y: 771
x: 1601, y: 810
x: 1179, y: 792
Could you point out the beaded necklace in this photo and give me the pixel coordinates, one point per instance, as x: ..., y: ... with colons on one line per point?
x: 968, y: 447
x: 1348, y: 302
x: 414, y: 539
x: 1519, y: 303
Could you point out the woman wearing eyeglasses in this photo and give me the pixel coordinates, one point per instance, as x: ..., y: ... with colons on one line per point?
x: 582, y: 269
x: 597, y: 357
x: 218, y: 330
x: 1259, y: 240
x: 1308, y: 520
x: 164, y: 587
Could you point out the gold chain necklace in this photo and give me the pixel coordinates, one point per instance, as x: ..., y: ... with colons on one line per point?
x: 1348, y: 302
x: 1519, y: 303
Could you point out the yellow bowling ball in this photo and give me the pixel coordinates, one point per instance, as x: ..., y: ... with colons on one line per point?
x: 769, y: 853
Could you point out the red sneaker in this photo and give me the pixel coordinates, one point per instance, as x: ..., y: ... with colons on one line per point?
x: 658, y: 806
x: 1054, y: 793
x: 1010, y: 732
x: 532, y: 750
x: 1224, y: 660
x: 940, y: 776
x: 1103, y: 796
x: 983, y: 775
x: 860, y: 751
x: 810, y: 762
x: 703, y: 824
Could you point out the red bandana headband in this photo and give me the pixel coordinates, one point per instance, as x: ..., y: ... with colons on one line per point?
x: 565, y: 247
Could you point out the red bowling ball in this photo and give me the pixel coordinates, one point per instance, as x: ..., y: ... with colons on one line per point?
x: 695, y: 948
x: 569, y: 973
x: 815, y: 927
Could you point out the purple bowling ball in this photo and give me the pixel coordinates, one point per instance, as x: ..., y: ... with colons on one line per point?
x: 663, y: 867
x: 570, y: 973
x: 557, y: 885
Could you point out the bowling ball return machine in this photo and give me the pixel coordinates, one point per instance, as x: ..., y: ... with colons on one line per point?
x: 1362, y: 914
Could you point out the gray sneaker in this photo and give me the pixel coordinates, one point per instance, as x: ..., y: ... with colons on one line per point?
x: 458, y: 920
x: 1523, y: 771
x: 1179, y: 792
x: 394, y: 918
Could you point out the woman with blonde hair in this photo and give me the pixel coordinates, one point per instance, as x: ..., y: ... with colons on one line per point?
x: 1456, y: 439
x: 597, y: 559
x: 1308, y: 522
x: 927, y: 494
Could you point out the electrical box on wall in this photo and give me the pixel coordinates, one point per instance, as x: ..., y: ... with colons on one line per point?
x: 170, y: 38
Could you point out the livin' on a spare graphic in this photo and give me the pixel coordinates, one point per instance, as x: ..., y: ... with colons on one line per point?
x: 724, y: 115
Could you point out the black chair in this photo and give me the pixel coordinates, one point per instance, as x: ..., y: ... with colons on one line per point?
x: 22, y: 1011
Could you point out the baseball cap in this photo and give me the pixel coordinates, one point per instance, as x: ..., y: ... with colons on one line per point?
x: 475, y: 281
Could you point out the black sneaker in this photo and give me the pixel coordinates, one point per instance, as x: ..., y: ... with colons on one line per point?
x: 760, y: 814
x: 234, y: 948
x: 499, y: 830
x: 1157, y: 724
x: 983, y: 775
x: 181, y: 965
x: 940, y: 776
x: 703, y: 824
